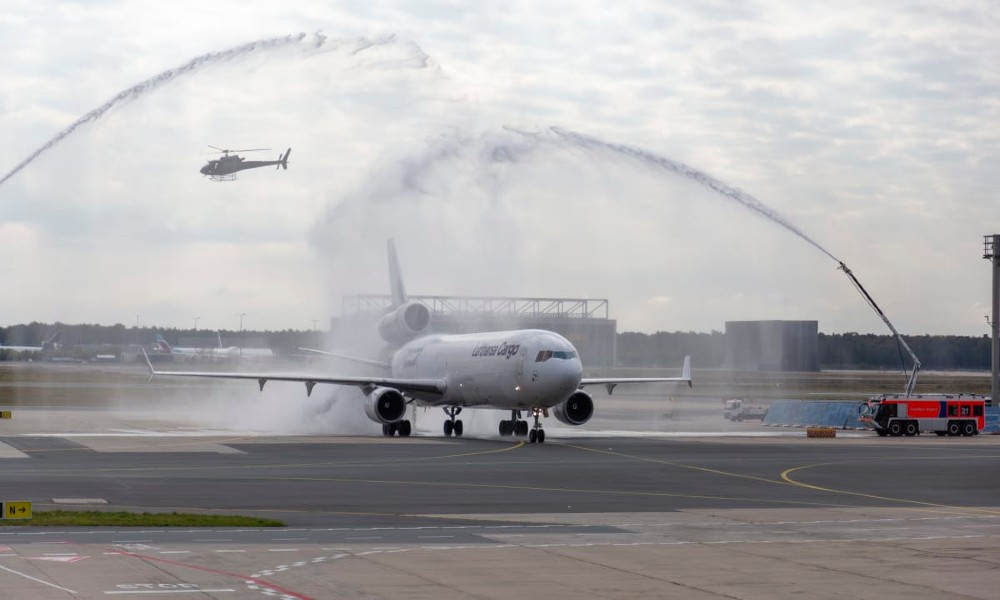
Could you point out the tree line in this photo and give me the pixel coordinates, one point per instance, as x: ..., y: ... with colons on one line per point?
x: 836, y: 350
x: 661, y: 349
x: 85, y: 341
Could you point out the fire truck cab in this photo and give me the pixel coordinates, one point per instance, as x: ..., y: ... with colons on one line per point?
x: 944, y: 415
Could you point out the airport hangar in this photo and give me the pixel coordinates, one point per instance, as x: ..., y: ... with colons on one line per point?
x: 582, y: 321
x: 772, y: 345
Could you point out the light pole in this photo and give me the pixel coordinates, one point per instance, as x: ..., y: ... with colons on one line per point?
x: 196, y: 322
x: 314, y: 322
x: 991, y: 252
x: 241, y: 335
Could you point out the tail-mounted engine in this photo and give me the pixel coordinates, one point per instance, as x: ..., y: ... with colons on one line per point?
x: 576, y: 410
x: 404, y: 323
x: 385, y: 405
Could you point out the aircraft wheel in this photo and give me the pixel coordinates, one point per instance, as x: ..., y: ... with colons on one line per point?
x: 385, y: 429
x: 895, y: 429
x: 910, y: 429
x: 405, y: 428
x: 968, y: 428
x: 533, y: 436
x: 541, y: 436
x: 458, y: 428
x: 505, y: 428
x: 449, y: 426
x: 954, y: 428
x: 522, y: 428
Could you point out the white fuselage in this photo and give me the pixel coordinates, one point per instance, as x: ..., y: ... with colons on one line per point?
x: 230, y: 352
x: 516, y: 370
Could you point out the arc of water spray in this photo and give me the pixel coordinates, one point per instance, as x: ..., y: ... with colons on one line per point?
x: 648, y: 158
x: 750, y: 202
x: 194, y: 64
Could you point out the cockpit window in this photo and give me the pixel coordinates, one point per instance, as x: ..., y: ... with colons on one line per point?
x: 544, y: 355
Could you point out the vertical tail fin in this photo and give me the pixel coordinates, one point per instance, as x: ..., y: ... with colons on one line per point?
x: 395, y: 277
x: 163, y: 345
x: 283, y: 160
x: 50, y: 344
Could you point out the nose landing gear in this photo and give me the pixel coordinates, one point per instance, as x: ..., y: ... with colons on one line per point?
x: 537, y: 433
x: 451, y: 425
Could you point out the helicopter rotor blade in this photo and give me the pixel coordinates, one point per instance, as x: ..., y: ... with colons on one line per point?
x: 227, y: 150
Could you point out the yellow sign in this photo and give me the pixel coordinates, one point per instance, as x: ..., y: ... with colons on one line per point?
x: 16, y: 510
x: 4, y: 414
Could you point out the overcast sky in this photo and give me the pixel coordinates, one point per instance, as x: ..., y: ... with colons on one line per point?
x: 873, y: 128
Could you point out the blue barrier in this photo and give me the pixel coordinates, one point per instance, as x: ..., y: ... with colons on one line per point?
x: 804, y: 413
x: 992, y: 420
x: 843, y: 414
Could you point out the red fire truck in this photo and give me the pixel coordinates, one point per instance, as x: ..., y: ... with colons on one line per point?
x: 944, y: 415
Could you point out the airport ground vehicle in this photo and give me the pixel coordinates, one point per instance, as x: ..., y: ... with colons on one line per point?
x: 736, y: 409
x: 944, y: 415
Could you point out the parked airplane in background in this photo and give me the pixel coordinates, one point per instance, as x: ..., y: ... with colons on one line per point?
x: 217, y: 352
x: 47, y: 345
x: 525, y: 371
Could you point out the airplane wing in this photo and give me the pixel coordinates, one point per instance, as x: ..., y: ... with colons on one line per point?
x: 611, y: 382
x: 363, y: 361
x: 424, y: 386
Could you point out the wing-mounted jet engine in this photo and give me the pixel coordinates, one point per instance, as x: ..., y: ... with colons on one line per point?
x: 576, y: 410
x: 385, y: 405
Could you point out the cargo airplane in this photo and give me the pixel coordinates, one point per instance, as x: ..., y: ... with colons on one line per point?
x: 529, y: 372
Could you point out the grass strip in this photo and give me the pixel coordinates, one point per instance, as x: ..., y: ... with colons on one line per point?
x: 63, y: 518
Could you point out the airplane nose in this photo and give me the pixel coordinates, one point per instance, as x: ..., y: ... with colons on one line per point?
x: 561, y: 377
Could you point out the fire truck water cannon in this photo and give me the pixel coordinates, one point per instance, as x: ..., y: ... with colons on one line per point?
x: 912, y: 382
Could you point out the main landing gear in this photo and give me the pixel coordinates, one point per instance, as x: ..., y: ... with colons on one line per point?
x: 403, y: 428
x: 452, y: 425
x: 519, y: 427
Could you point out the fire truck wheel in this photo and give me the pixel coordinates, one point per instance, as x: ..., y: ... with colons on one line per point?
x: 910, y: 428
x: 954, y: 428
x: 895, y: 429
x: 968, y: 428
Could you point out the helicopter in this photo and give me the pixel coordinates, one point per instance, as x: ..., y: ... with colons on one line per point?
x: 226, y: 167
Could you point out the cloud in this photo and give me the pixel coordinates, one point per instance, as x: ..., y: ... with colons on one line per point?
x: 869, y: 127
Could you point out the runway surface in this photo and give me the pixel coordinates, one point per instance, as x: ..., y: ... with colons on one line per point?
x: 610, y: 511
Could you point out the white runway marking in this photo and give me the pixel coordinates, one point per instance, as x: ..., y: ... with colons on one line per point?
x: 35, y: 579
x: 169, y: 591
